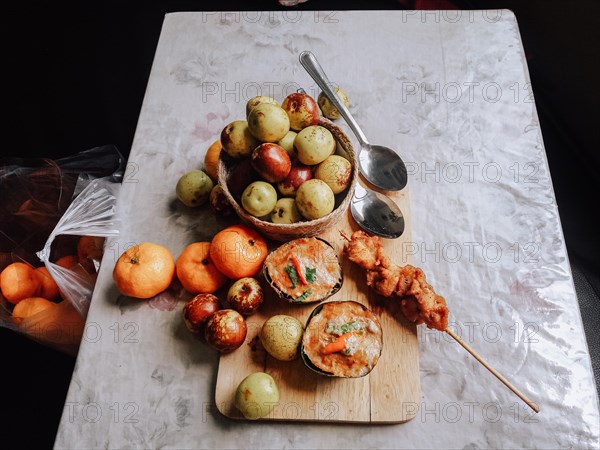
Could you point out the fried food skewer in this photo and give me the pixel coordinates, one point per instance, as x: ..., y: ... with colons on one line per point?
x: 418, y: 301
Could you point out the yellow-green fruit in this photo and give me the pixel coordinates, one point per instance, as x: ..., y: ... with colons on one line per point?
x: 327, y: 108
x: 281, y: 336
x: 285, y: 211
x: 314, y: 199
x: 255, y: 101
x: 237, y: 141
x: 336, y: 172
x: 313, y: 144
x: 257, y: 395
x: 287, y: 143
x: 193, y: 188
x: 268, y: 122
x: 259, y: 198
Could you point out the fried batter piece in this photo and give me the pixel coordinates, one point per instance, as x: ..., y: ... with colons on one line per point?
x: 418, y: 301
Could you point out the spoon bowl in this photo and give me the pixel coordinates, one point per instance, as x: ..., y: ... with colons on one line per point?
x: 380, y: 165
x: 385, y: 168
x: 376, y: 213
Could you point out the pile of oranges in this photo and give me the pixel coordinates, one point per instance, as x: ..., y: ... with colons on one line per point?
x: 236, y: 253
x: 33, y: 290
x: 148, y: 269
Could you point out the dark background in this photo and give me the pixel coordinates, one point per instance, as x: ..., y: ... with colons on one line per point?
x: 74, y: 77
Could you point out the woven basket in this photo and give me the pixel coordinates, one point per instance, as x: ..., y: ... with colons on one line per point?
x: 286, y: 232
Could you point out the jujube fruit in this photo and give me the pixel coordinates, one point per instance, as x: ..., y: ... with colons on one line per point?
x: 237, y: 140
x: 198, y: 310
x: 271, y: 162
x: 314, y: 144
x: 336, y: 172
x: 268, y: 122
x: 225, y: 330
x: 193, y: 188
x: 302, y: 110
x: 314, y: 199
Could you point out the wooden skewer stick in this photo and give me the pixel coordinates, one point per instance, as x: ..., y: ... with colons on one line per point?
x: 497, y: 374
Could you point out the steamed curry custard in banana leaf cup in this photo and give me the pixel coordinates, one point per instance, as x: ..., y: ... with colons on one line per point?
x: 304, y: 270
x: 342, y: 339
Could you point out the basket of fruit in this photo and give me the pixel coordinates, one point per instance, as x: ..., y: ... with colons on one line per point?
x: 287, y: 171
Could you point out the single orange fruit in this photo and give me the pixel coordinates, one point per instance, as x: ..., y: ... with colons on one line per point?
x: 67, y: 262
x: 29, y: 307
x: 47, y: 286
x: 60, y: 327
x: 18, y: 281
x: 238, y: 251
x: 144, y: 270
x: 211, y: 160
x: 196, y: 270
x: 90, y: 249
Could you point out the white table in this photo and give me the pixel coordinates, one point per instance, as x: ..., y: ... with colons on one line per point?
x: 451, y: 91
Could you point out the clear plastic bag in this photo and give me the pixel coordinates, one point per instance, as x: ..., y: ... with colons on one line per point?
x: 52, y: 208
x: 92, y: 213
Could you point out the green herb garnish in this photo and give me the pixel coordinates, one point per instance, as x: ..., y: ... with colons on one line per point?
x: 291, y: 271
x: 351, y: 326
x: 355, y: 325
x: 311, y: 275
x: 304, y: 296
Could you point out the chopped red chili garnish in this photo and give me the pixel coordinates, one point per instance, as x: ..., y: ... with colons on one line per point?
x: 298, y: 267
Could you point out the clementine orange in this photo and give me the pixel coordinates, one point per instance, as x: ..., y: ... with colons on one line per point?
x: 67, y: 262
x: 211, y: 160
x: 60, y: 326
x: 90, y: 249
x: 238, y: 251
x: 144, y: 270
x: 196, y: 270
x: 47, y: 286
x: 29, y: 307
x: 18, y: 281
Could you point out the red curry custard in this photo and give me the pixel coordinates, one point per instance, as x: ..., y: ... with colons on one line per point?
x: 304, y: 270
x: 342, y: 339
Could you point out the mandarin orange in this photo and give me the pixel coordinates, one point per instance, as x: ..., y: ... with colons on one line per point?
x: 29, y: 307
x: 60, y: 326
x: 67, y: 262
x: 211, y: 160
x: 196, y: 271
x: 90, y: 249
x: 18, y: 281
x: 144, y: 270
x: 238, y: 251
x: 47, y: 286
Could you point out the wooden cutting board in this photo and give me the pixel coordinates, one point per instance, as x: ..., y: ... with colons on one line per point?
x: 389, y: 394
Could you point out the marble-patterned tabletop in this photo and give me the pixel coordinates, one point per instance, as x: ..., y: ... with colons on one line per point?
x: 450, y: 90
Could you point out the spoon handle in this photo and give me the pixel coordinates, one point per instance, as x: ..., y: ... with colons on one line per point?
x: 314, y: 69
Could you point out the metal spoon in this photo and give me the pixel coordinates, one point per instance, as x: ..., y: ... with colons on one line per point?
x: 380, y: 165
x: 376, y: 213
